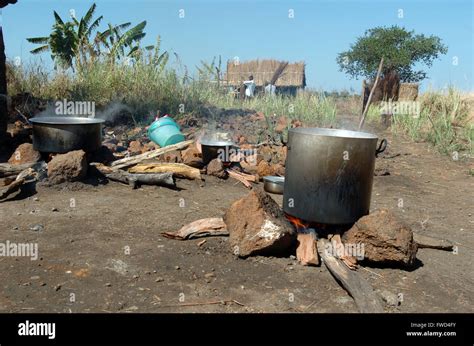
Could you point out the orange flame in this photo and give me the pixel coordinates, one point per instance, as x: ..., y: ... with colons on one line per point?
x: 298, y: 223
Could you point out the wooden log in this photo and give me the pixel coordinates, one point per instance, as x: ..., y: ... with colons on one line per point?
x: 162, y: 179
x: 239, y: 177
x: 425, y: 241
x: 7, y: 169
x: 249, y: 177
x: 307, y: 252
x: 134, y: 180
x: 178, y: 169
x: 9, y: 189
x: 359, y: 289
x: 213, y: 226
x: 130, y: 161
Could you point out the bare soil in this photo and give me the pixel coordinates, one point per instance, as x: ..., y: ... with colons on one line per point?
x: 106, y: 252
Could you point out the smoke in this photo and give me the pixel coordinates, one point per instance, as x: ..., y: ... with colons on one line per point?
x: 109, y: 113
x: 50, y: 111
x: 112, y: 111
x: 211, y: 133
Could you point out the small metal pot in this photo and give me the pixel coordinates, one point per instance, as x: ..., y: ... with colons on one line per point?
x: 216, y: 149
x: 274, y: 184
x: 63, y: 134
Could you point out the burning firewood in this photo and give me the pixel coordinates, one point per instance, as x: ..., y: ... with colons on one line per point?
x: 337, y: 244
x: 178, y: 169
x: 213, y: 226
x: 307, y: 250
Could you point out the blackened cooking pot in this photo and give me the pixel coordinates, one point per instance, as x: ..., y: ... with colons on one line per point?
x: 63, y: 134
x: 212, y: 149
x: 329, y: 174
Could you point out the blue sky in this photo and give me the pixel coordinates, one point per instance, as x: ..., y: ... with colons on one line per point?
x: 262, y: 29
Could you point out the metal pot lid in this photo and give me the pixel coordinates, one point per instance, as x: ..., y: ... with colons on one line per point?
x: 65, y: 120
x: 333, y: 133
x: 213, y: 143
x: 274, y: 179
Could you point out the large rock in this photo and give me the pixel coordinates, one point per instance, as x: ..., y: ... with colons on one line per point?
x: 24, y: 154
x: 257, y: 226
x: 71, y: 166
x: 385, y: 238
x: 192, y: 157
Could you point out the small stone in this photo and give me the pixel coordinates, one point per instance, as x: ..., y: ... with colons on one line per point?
x: 57, y: 288
x: 43, y: 284
x: 159, y: 279
x: 209, y: 275
x: 37, y: 228
x: 54, y: 209
x: 177, y: 267
x: 35, y: 277
x: 36, y: 199
x: 108, y: 284
x: 217, y: 169
x: 391, y: 299
x: 15, y: 228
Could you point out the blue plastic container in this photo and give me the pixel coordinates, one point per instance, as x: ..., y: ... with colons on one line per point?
x: 165, y: 131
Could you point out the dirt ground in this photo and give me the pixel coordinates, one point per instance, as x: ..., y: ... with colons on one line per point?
x: 106, y: 254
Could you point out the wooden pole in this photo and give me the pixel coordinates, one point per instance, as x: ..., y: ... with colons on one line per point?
x: 362, y: 120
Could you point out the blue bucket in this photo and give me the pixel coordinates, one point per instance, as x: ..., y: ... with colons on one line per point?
x: 165, y: 131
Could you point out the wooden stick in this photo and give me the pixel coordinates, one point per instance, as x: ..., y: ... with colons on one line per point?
x: 204, y: 303
x: 359, y: 289
x: 249, y: 177
x: 130, y: 161
x: 364, y: 113
x: 237, y: 176
x: 425, y: 241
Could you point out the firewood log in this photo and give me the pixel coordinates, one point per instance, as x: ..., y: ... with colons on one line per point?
x: 130, y: 161
x: 213, y: 226
x: 179, y: 170
x: 425, y: 241
x: 9, y: 189
x: 359, y: 289
x: 7, y: 169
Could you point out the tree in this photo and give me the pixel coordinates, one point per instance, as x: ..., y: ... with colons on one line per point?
x: 70, y: 42
x: 401, y: 50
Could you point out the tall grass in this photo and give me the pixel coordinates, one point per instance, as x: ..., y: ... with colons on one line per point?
x: 146, y: 88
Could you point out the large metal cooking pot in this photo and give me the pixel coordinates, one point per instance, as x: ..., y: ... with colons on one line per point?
x: 329, y: 174
x: 63, y: 134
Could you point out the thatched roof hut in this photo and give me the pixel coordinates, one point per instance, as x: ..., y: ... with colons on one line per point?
x: 291, y: 75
